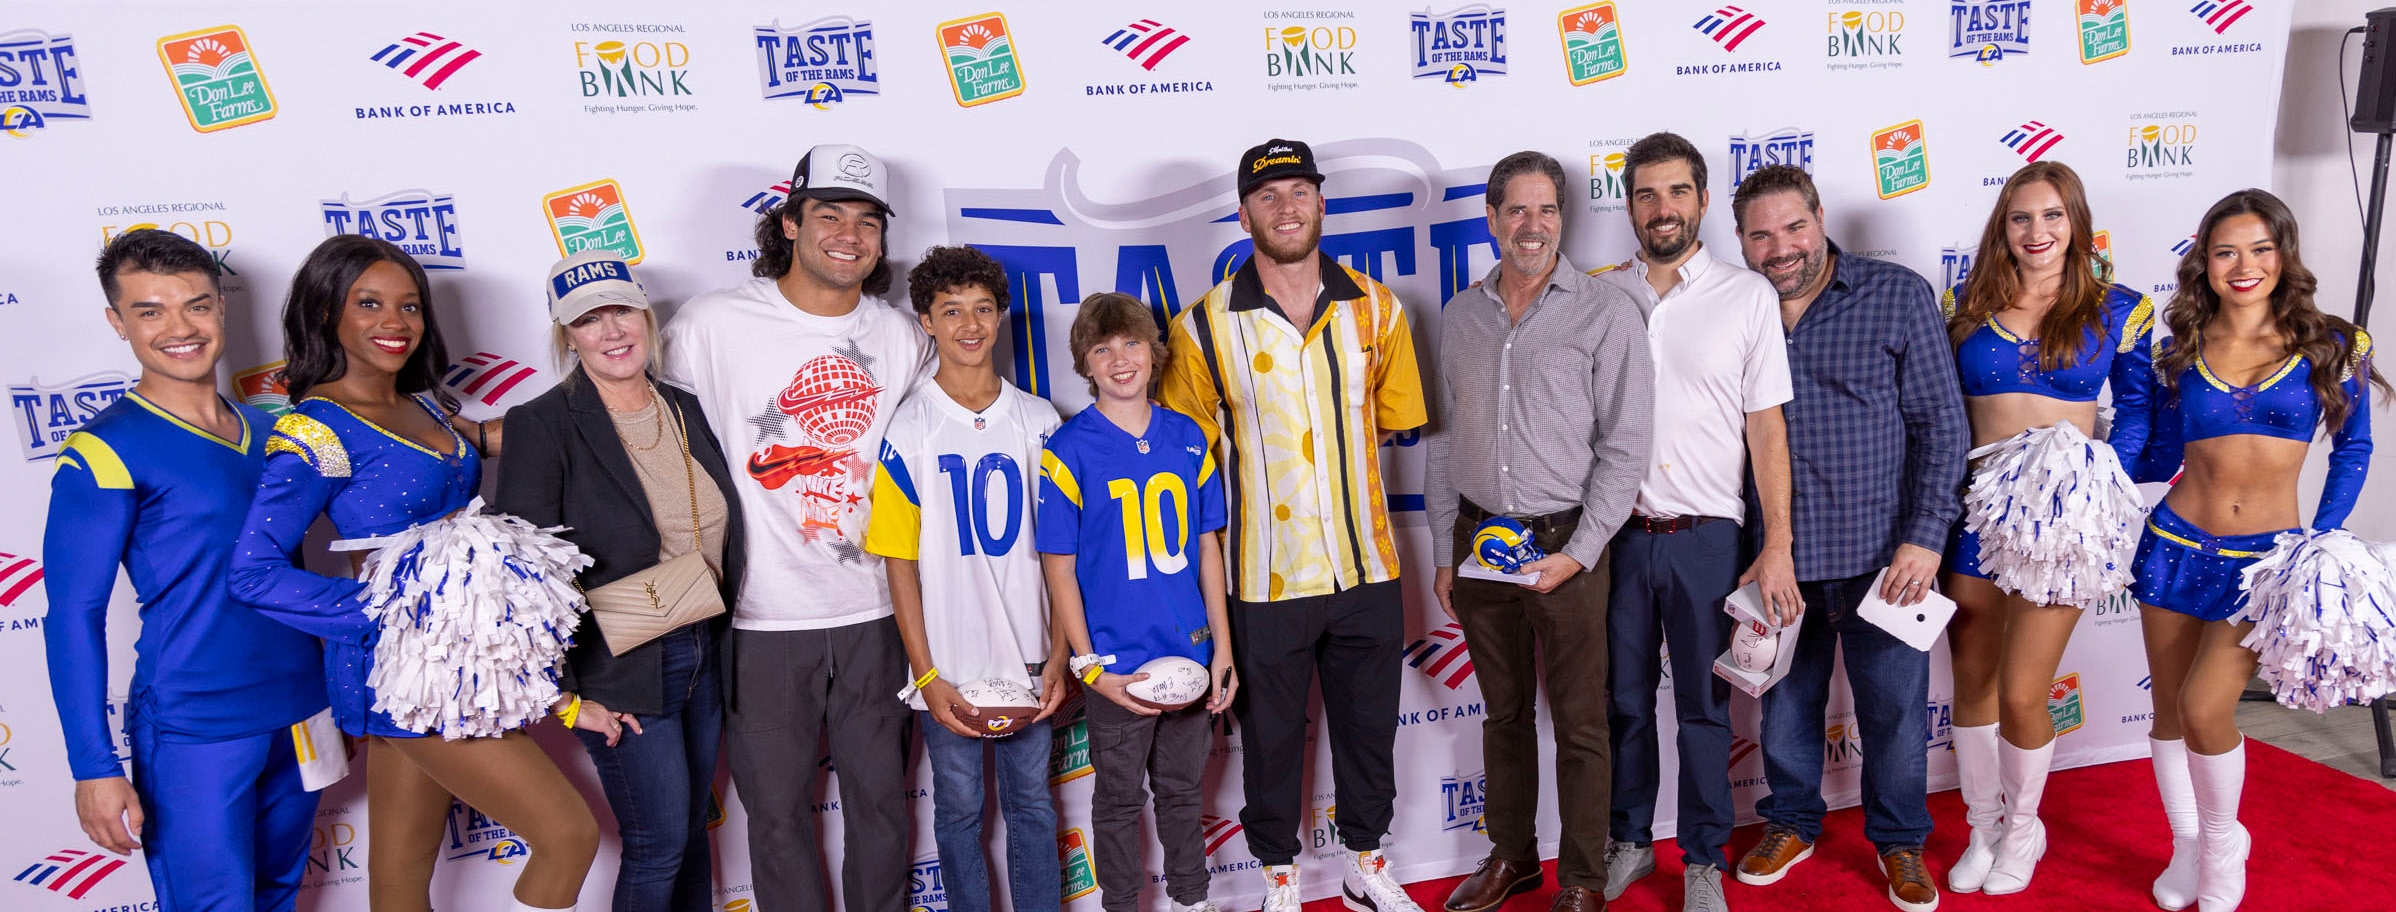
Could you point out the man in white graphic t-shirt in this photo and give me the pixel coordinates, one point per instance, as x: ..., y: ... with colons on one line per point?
x: 799, y: 372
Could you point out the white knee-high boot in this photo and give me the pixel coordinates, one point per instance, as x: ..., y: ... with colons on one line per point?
x: 1983, y: 805
x: 2024, y: 773
x: 2176, y: 888
x: 2221, y: 841
x: 518, y: 905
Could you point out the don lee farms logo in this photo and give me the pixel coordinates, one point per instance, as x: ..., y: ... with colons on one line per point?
x: 2063, y: 704
x: 822, y: 62
x: 422, y: 223
x: 1901, y: 159
x: 1459, y: 46
x: 1785, y: 146
x: 1069, y: 745
x: 593, y: 217
x: 40, y: 81
x: 486, y: 377
x: 2102, y: 245
x: 2104, y: 29
x: 2031, y: 140
x: 69, y: 872
x: 1592, y: 42
x: 1147, y: 43
x: 18, y: 575
x: 1440, y: 655
x: 1865, y: 39
x: 425, y: 58
x: 650, y: 72
x: 2162, y: 146
x: 1322, y: 55
x: 1463, y: 798
x: 1075, y: 877
x: 47, y: 415
x: 264, y: 388
x: 1988, y: 32
x: 982, y: 62
x: 217, y: 78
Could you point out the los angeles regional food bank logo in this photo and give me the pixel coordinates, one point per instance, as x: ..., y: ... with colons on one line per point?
x: 593, y: 217
x: 217, y: 78
x: 982, y: 62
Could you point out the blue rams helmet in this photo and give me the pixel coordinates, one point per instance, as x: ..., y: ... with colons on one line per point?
x: 1501, y: 543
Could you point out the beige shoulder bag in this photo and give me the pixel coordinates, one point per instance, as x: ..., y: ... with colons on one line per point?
x: 640, y: 607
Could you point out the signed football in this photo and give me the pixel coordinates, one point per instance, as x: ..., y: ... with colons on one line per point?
x: 1173, y: 682
x: 1005, y: 705
x: 1754, y: 646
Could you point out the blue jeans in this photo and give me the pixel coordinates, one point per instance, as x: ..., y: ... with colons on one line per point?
x: 658, y: 783
x: 1891, y: 683
x: 1020, y: 761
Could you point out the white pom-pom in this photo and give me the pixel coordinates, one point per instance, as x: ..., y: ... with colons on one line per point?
x: 477, y: 610
x: 2056, y: 516
x: 2324, y: 610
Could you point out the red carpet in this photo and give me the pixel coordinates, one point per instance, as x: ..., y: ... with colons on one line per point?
x: 2106, y: 841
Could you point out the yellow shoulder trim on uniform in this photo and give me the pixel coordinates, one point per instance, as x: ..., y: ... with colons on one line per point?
x: 1946, y: 303
x: 1601, y: 270
x: 895, y: 528
x: 1206, y: 467
x: 108, y: 471
x: 311, y: 441
x: 1058, y: 474
x: 2141, y: 322
x: 2357, y: 358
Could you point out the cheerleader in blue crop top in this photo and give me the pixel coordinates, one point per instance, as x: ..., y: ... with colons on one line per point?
x: 2051, y: 517
x: 2252, y: 374
x: 370, y: 447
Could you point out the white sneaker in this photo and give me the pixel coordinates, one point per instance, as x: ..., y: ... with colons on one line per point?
x: 1281, y: 889
x: 1203, y: 905
x: 1369, y: 888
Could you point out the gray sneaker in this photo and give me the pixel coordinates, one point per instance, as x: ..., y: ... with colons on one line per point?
x: 1702, y: 886
x: 1627, y: 862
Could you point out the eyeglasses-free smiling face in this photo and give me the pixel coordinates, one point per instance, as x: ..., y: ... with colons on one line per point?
x: 1121, y: 366
x: 1528, y: 223
x: 382, y: 318
x: 1284, y: 217
x: 2242, y: 260
x: 611, y: 342
x: 838, y: 242
x: 963, y: 321
x: 175, y: 322
x: 2038, y: 230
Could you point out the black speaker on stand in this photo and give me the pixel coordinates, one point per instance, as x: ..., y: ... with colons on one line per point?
x: 2375, y: 112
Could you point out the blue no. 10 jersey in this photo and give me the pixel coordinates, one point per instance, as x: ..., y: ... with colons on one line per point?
x: 1130, y: 509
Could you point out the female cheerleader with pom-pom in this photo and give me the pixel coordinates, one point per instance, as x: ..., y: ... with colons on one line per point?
x: 2051, y: 517
x: 459, y: 622
x: 2251, y: 373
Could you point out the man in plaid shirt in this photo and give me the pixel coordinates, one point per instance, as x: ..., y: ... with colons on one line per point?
x: 1877, y: 436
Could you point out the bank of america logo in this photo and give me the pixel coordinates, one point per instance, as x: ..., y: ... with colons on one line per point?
x: 1217, y: 831
x: 486, y: 377
x: 2181, y: 249
x: 2032, y: 139
x: 1147, y: 42
x: 425, y: 57
x: 1441, y: 655
x: 2220, y: 16
x: 17, y: 575
x: 1729, y: 25
x: 73, y: 872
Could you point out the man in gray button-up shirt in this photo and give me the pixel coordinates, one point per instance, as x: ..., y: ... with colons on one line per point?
x: 1542, y: 411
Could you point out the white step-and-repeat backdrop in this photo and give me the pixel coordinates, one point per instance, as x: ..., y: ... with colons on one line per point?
x: 1087, y: 146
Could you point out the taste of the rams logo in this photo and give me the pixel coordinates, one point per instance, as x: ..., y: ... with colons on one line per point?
x: 1460, y: 45
x: 1075, y: 877
x: 925, y: 891
x: 1942, y: 723
x: 475, y: 835
x: 593, y: 217
x: 1858, y: 34
x: 2104, y: 29
x: 1592, y: 38
x: 217, y: 78
x: 1901, y: 159
x: 1785, y: 146
x: 1955, y: 265
x: 1463, y: 798
x: 422, y: 223
x: 40, y: 81
x: 982, y: 63
x: 1988, y: 31
x: 2161, y: 146
x: 2064, y: 706
x: 48, y: 414
x: 822, y: 62
x: 264, y: 388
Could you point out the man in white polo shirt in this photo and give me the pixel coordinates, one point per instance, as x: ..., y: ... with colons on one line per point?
x: 1721, y: 376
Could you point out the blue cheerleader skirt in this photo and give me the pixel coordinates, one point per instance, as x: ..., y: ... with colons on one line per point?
x: 1963, y: 552
x: 2182, y: 568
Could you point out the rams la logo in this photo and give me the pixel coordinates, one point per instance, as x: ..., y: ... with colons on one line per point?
x: 1592, y: 38
x: 1988, y: 31
x: 40, y: 81
x: 1461, y: 45
x: 593, y: 216
x: 1901, y: 159
x: 217, y: 78
x: 1501, y: 543
x: 821, y: 63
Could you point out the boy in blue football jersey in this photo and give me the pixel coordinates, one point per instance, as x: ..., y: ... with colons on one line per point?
x: 1137, y: 579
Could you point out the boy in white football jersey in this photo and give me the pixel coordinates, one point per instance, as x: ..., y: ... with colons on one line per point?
x: 953, y: 500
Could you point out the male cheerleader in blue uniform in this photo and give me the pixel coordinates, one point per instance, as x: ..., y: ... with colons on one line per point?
x: 160, y: 483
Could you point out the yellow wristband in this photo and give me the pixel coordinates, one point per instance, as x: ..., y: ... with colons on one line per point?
x: 571, y: 712
x: 1090, y: 674
x: 926, y: 679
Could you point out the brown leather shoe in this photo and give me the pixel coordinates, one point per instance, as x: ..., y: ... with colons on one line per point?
x: 1773, y: 856
x: 1492, y: 883
x: 1910, y: 886
x: 1577, y: 899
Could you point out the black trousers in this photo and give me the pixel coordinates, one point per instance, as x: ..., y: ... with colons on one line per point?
x: 1354, y: 638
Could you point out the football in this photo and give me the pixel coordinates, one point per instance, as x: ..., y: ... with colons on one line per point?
x: 1173, y: 682
x: 1005, y: 705
x: 1754, y: 646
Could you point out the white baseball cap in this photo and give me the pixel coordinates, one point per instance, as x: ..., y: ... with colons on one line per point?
x: 841, y: 172
x: 591, y: 280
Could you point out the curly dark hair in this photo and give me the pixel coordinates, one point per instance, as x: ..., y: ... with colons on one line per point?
x: 312, y: 318
x: 947, y: 268
x: 158, y: 253
x: 774, y: 250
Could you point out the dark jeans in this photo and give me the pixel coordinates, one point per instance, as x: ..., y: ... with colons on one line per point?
x: 1891, y: 683
x: 1169, y: 751
x: 1355, y: 637
x: 1669, y: 588
x: 658, y: 783
x: 1020, y: 764
x: 1508, y: 627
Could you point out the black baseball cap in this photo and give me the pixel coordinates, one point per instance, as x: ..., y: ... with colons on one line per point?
x: 1276, y: 159
x: 840, y: 172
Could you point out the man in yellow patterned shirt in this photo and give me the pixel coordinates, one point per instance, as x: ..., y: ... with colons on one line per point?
x: 1297, y: 367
